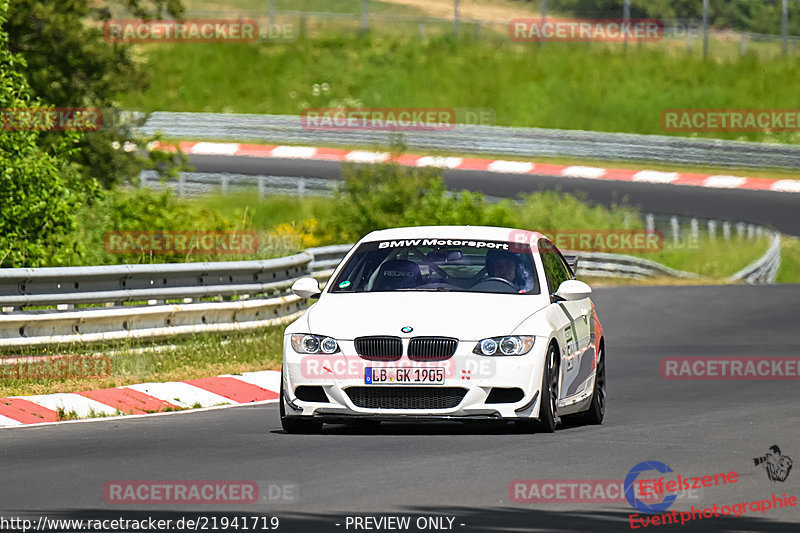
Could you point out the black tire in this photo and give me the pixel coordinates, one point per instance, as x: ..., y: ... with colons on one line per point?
x: 296, y: 425
x: 549, y: 399
x: 548, y: 417
x: 597, y: 408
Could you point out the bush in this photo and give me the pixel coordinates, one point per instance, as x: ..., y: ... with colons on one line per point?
x: 554, y: 210
x: 140, y: 210
x: 68, y: 63
x: 37, y: 202
x: 388, y: 195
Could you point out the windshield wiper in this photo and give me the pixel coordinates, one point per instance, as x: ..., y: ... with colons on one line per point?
x: 429, y: 289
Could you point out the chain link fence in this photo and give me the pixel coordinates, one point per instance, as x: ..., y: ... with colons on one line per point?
x: 695, y: 35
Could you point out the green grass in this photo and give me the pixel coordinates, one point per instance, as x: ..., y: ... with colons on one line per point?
x: 128, y: 210
x: 570, y: 86
x: 62, y: 414
x: 263, y: 212
x: 789, y: 271
x: 285, y: 224
x: 196, y: 357
x: 711, y: 258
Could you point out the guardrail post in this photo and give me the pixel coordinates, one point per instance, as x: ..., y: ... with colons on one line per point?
x: 422, y: 29
x: 751, y: 232
x: 743, y: 45
x: 455, y: 18
x: 301, y: 187
x: 712, y: 230
x: 364, y: 16
x: 740, y: 230
x: 261, y: 186
x: 785, y: 26
x: 181, y: 185
x: 544, y: 18
x: 694, y: 229
x: 676, y: 230
x: 649, y: 221
x: 626, y: 17
x: 726, y: 230
x: 224, y: 182
x: 705, y: 29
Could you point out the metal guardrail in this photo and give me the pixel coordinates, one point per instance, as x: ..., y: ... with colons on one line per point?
x: 199, y: 183
x: 765, y: 269
x: 599, y: 264
x: 261, y: 286
x: 326, y: 258
x: 497, y: 140
x: 137, y: 283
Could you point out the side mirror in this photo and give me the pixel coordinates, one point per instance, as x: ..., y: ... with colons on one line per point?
x: 306, y: 288
x: 572, y: 290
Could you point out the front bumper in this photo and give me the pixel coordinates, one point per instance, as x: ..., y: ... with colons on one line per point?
x: 469, y: 383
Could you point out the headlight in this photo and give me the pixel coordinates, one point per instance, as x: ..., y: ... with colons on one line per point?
x: 487, y: 347
x: 328, y: 345
x: 307, y: 343
x: 511, y: 345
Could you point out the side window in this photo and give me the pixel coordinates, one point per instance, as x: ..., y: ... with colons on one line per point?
x: 554, y: 267
x: 570, y: 274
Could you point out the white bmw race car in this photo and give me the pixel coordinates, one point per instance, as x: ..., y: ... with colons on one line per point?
x: 445, y: 323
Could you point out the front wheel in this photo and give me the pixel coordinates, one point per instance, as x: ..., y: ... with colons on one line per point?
x: 549, y: 399
x: 296, y: 425
x: 597, y: 409
x: 549, y: 407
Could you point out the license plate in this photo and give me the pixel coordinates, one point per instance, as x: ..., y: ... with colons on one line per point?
x: 403, y: 376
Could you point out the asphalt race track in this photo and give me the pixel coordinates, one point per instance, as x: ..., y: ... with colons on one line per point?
x: 463, y: 471
x: 767, y: 208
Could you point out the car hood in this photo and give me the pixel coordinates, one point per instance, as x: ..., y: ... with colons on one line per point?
x: 465, y: 316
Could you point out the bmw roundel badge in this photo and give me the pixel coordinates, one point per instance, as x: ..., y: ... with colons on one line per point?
x: 406, y: 329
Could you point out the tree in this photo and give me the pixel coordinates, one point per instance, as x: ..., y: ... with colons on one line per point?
x: 68, y: 63
x: 36, y: 200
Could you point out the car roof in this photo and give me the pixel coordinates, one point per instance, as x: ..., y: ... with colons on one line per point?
x: 489, y: 233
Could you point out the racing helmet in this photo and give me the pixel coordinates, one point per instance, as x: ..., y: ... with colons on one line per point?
x: 523, y: 279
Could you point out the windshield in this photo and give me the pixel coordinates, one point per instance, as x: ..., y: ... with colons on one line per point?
x: 439, y: 265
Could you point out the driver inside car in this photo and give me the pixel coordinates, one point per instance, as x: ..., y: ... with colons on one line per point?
x: 508, y: 266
